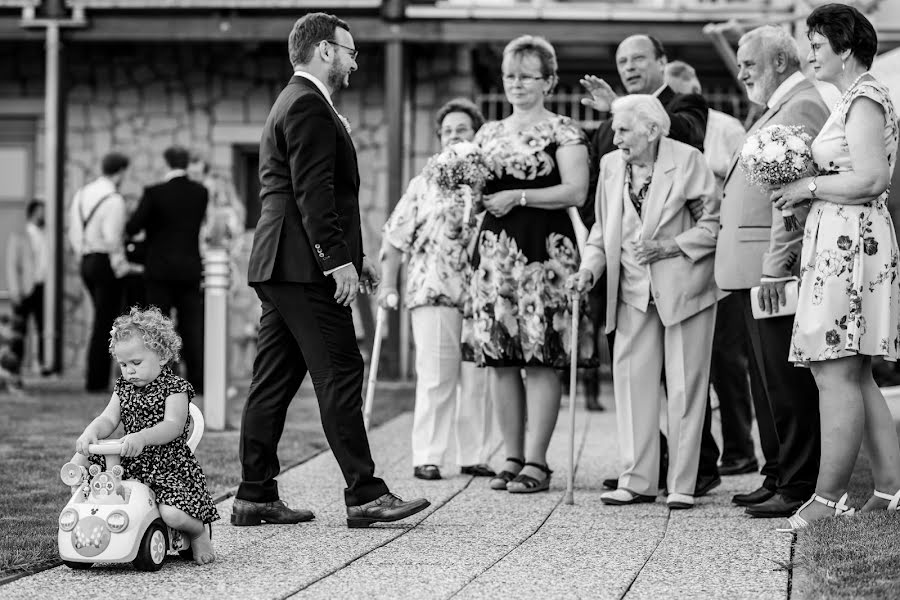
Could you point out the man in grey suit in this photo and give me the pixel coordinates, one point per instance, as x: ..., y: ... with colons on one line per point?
x: 754, y: 248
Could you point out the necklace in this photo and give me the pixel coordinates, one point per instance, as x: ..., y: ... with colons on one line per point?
x: 849, y: 89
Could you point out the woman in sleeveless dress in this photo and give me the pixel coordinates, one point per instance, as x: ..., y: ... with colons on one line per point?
x: 849, y: 306
x: 526, y: 250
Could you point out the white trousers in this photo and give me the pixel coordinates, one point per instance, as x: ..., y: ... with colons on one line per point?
x: 450, y: 394
x: 643, y: 348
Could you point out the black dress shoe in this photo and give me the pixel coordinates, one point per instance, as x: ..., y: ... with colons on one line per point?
x: 757, y: 496
x: 245, y: 512
x: 429, y: 472
x: 384, y: 509
x: 478, y: 471
x: 705, y: 484
x: 776, y: 506
x: 738, y: 466
x: 611, y: 484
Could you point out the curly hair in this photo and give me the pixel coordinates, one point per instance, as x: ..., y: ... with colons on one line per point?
x: 462, y: 105
x: 156, y: 331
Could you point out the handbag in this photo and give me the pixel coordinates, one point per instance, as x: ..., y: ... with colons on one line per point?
x: 791, y: 291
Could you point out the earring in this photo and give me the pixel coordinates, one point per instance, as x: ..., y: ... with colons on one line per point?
x: 843, y: 65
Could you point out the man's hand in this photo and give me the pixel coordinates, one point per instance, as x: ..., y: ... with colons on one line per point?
x: 649, y: 251
x: 370, y: 278
x: 346, y: 285
x: 133, y: 444
x: 771, y: 295
x: 581, y: 281
x: 601, y: 94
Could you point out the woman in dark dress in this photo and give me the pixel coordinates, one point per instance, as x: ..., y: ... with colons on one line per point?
x: 526, y: 250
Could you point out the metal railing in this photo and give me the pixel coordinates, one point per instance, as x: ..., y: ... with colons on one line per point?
x: 659, y: 4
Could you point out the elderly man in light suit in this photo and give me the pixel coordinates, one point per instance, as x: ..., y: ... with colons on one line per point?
x: 755, y: 248
x: 661, y: 297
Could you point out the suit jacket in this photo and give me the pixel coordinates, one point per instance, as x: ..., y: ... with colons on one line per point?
x: 683, y: 285
x: 171, y: 213
x: 688, y: 113
x: 753, y: 240
x: 309, y: 191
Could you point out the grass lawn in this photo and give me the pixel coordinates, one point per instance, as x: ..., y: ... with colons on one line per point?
x: 37, y: 436
x: 856, y: 557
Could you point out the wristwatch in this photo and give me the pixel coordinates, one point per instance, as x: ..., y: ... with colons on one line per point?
x: 522, y: 201
x: 812, y: 188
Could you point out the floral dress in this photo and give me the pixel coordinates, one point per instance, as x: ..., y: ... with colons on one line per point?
x: 170, y: 470
x: 519, y: 303
x: 435, y: 228
x: 849, y: 290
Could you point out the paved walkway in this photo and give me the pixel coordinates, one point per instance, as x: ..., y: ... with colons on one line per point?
x: 471, y: 543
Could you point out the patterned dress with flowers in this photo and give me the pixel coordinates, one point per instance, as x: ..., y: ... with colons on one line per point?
x: 849, y: 290
x: 433, y: 226
x: 519, y: 304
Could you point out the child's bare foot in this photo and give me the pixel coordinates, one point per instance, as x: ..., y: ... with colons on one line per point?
x: 203, y: 549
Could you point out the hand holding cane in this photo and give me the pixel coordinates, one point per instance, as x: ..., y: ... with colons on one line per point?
x: 380, y: 319
x: 573, y: 382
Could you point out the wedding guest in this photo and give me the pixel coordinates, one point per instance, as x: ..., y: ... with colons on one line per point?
x: 526, y: 250
x: 661, y: 297
x: 730, y: 356
x: 432, y: 226
x: 849, y: 305
x: 754, y: 248
x: 96, y: 232
x: 641, y: 62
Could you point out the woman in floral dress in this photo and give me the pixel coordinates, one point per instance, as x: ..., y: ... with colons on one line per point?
x: 849, y: 306
x: 435, y: 228
x: 526, y: 251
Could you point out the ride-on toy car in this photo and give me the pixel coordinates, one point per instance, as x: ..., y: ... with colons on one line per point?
x: 108, y: 520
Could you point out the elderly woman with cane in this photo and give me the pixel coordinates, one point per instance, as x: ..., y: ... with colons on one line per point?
x: 435, y: 227
x: 661, y: 295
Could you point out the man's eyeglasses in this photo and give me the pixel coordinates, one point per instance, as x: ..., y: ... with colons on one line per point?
x: 525, y: 79
x: 352, y: 51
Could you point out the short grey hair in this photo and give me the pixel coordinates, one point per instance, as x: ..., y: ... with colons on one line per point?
x: 774, y: 40
x: 647, y: 110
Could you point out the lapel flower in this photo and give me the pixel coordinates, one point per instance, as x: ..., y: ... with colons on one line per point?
x: 344, y: 121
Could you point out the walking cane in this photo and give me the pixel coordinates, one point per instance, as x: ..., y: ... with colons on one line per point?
x: 573, y: 382
x: 380, y: 319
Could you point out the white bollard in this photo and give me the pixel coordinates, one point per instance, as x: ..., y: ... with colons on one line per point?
x: 216, y: 280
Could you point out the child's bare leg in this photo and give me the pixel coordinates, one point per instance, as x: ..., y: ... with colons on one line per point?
x: 201, y: 545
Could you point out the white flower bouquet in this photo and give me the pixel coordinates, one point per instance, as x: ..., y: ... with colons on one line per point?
x: 775, y: 156
x: 459, y: 168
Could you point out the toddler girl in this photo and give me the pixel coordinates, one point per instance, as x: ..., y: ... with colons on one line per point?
x: 152, y: 403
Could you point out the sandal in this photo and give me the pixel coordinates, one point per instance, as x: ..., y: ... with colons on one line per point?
x: 525, y: 484
x: 894, y: 500
x: 796, y: 522
x: 504, y: 477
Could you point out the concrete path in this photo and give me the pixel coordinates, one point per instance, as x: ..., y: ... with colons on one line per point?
x: 471, y: 543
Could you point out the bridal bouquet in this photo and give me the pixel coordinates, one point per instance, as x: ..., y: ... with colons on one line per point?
x: 775, y: 156
x: 459, y: 168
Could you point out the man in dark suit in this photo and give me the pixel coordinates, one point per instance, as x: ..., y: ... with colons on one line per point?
x: 171, y: 213
x: 307, y: 253
x: 754, y: 248
x: 641, y: 62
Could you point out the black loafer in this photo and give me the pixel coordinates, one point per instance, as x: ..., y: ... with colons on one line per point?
x: 776, y: 506
x: 705, y: 484
x: 384, y: 509
x: 478, y: 471
x: 739, y: 466
x: 429, y: 472
x: 757, y: 496
x: 246, y: 513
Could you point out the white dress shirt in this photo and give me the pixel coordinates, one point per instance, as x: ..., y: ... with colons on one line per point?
x: 105, y: 231
x: 39, y: 247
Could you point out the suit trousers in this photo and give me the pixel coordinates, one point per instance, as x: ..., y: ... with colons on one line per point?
x: 302, y: 329
x: 106, y: 295
x: 786, y: 401
x: 32, y: 306
x: 644, y: 349
x: 186, y: 297
x: 448, y: 396
x: 730, y: 378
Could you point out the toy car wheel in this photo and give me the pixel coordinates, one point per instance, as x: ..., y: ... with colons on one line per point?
x: 189, y: 553
x: 78, y: 566
x: 152, y: 551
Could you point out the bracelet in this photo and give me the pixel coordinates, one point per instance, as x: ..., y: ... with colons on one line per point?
x: 778, y: 279
x: 522, y: 199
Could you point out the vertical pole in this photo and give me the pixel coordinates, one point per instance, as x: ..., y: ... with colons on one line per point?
x: 54, y: 204
x: 215, y: 338
x: 394, y: 62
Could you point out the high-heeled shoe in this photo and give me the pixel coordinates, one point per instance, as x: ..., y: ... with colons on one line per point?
x: 504, y: 477
x: 894, y: 500
x: 797, y: 522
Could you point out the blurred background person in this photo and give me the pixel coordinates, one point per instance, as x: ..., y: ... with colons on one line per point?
x: 134, y: 289
x: 730, y: 355
x: 430, y: 225
x: 661, y: 297
x: 96, y: 232
x: 526, y: 250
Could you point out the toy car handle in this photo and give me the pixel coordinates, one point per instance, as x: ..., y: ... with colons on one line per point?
x: 105, y: 447
x: 111, y: 446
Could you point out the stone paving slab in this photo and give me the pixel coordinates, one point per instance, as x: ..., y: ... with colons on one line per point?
x: 472, y: 542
